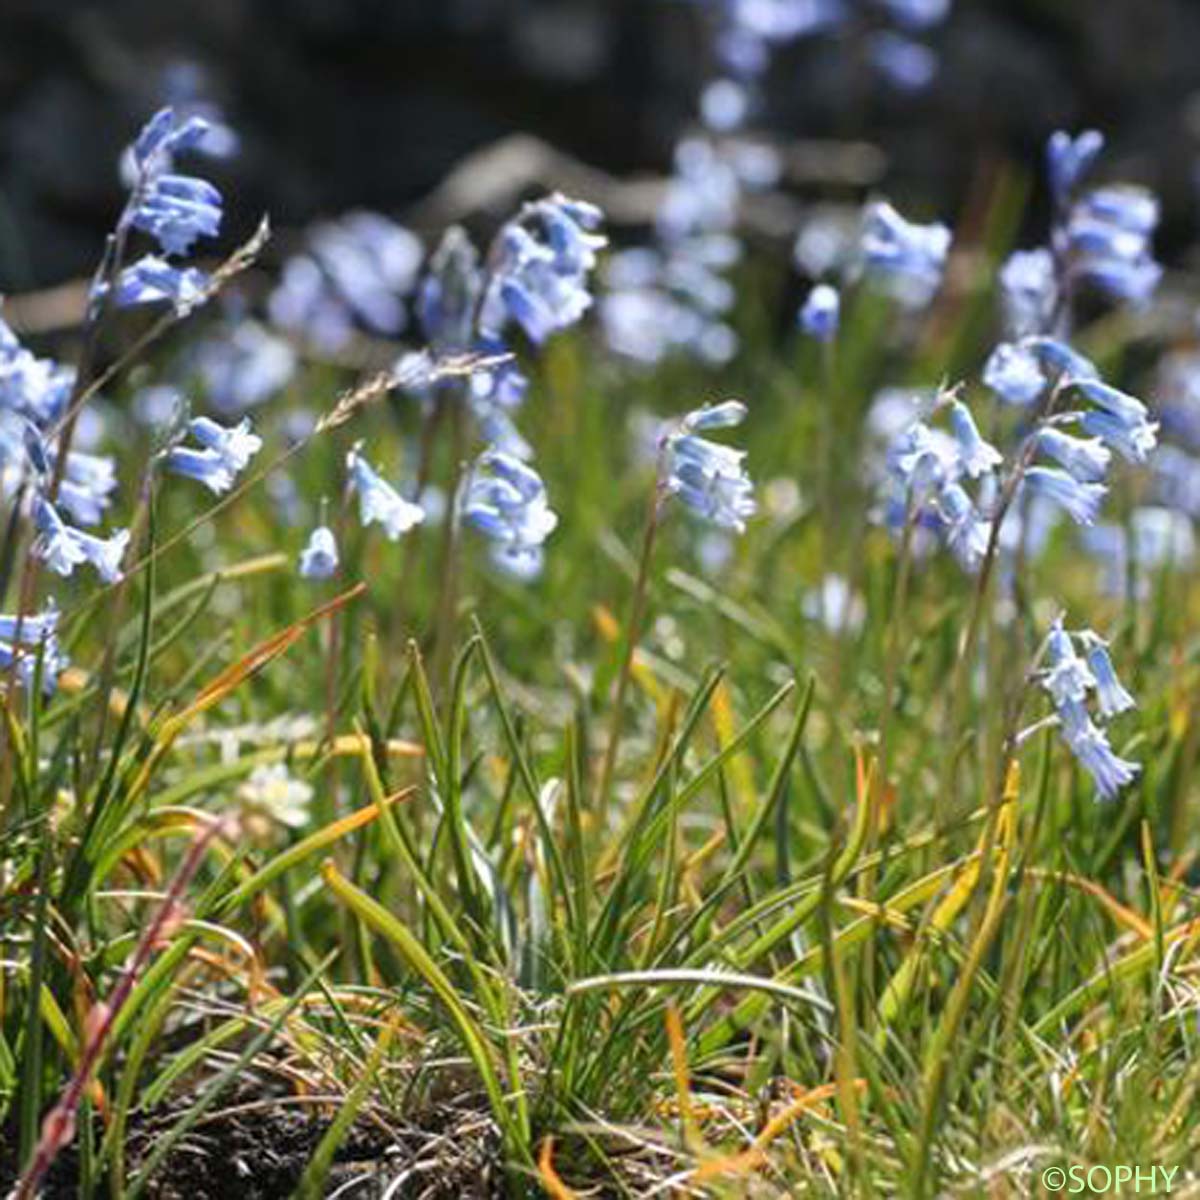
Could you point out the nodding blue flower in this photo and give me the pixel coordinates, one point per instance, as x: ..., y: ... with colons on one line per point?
x: 319, y: 559
x: 818, y: 316
x: 63, y: 547
x: 1068, y: 159
x: 1091, y: 747
x: 379, y: 502
x: 152, y: 280
x: 966, y: 532
x: 1132, y: 442
x: 1129, y: 410
x: 208, y: 467
x: 1012, y: 371
x: 1068, y: 677
x: 1080, y: 501
x: 1107, y: 241
x: 506, y: 501
x: 539, y: 278
x: 176, y: 210
x: 105, y: 554
x: 1122, y: 422
x: 448, y: 297
x: 1068, y: 364
x: 1069, y: 680
x: 86, y: 488
x: 920, y: 457
x: 1112, y: 698
x: 708, y: 477
x: 1028, y: 291
x: 56, y: 544
x: 236, y: 445
x: 164, y: 135
x: 1086, y: 458
x: 976, y: 455
x: 908, y: 258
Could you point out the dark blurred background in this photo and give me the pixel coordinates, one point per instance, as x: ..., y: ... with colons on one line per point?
x: 368, y: 103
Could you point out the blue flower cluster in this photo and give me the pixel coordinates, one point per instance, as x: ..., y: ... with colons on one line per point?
x: 1071, y: 679
x: 506, y: 500
x: 22, y: 639
x: 1102, y: 236
x: 173, y: 208
x: 931, y: 468
x: 358, y: 270
x: 224, y: 453
x: 34, y: 397
x: 906, y: 259
x: 708, y: 477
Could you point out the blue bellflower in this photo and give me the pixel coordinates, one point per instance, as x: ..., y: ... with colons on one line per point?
x: 379, y: 502
x: 710, y: 478
x: 319, y: 558
x: 818, y: 316
x: 63, y: 547
x: 506, y: 501
x: 1070, y: 680
x: 909, y: 259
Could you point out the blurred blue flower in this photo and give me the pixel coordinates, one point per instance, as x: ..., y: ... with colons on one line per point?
x: 976, y: 455
x: 1085, y: 458
x: 710, y: 478
x: 505, y: 500
x: 236, y: 444
x: 319, y: 558
x: 449, y: 294
x: 63, y: 547
x: 208, y: 467
x: 1122, y: 422
x: 818, y: 316
x: 1108, y: 242
x: 360, y: 268
x: 1029, y: 291
x: 242, y: 364
x: 539, y: 274
x: 1013, y: 372
x: 176, y: 210
x: 1111, y: 697
x: 1079, y: 500
x: 1068, y: 159
x: 38, y: 635
x: 378, y: 501
x: 909, y: 259
x: 152, y: 280
x: 1069, y: 680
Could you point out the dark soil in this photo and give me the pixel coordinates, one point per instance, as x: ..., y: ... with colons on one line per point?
x: 261, y: 1155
